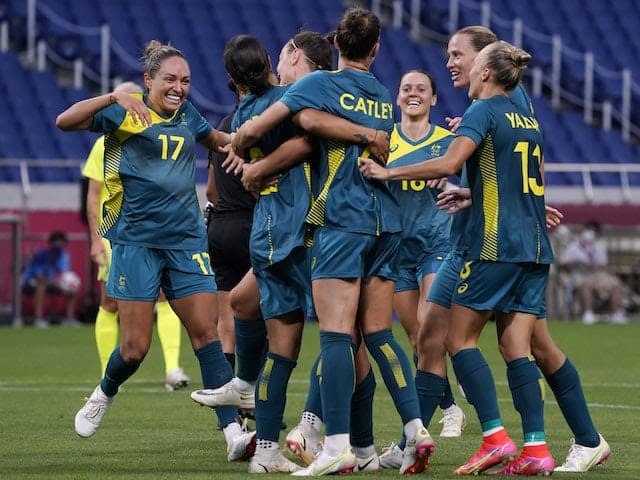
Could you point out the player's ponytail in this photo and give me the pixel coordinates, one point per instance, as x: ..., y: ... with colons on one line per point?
x: 507, y: 62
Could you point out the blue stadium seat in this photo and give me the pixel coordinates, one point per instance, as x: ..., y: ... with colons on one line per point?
x: 201, y: 28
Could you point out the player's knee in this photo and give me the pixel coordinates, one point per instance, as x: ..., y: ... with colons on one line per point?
x: 241, y: 306
x: 133, y: 352
x: 453, y: 344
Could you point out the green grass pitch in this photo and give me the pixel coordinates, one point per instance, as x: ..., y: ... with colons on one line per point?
x: 151, y: 434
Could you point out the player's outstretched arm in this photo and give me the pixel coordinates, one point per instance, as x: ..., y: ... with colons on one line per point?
x: 79, y: 116
x: 326, y: 125
x: 450, y: 163
x: 251, y: 131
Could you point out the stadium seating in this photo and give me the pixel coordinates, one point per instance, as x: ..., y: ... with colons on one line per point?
x: 200, y: 28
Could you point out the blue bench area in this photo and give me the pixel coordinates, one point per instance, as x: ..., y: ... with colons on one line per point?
x: 200, y: 28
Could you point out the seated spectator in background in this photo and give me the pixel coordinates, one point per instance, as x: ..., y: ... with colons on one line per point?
x: 587, y: 261
x: 560, y: 288
x: 48, y: 272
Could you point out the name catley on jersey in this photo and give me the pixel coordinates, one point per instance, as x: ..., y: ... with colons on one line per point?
x: 343, y: 198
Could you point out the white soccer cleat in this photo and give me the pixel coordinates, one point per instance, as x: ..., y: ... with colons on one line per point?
x: 582, y: 459
x: 242, y: 447
x: 226, y: 395
x: 326, y: 465
x: 589, y: 318
x: 391, y: 457
x: 176, y: 379
x: 90, y: 415
x: 367, y: 464
x: 304, y: 441
x: 271, y: 461
x: 41, y: 323
x: 417, y: 453
x: 619, y: 318
x: 453, y: 421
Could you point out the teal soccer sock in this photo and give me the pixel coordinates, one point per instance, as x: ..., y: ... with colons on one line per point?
x: 216, y: 371
x: 566, y: 386
x: 396, y: 372
x: 336, y: 386
x: 314, y: 402
x: 116, y: 373
x: 431, y: 388
x: 362, y: 412
x: 474, y: 375
x: 447, y: 399
x: 251, y: 340
x: 523, y: 376
x: 271, y: 396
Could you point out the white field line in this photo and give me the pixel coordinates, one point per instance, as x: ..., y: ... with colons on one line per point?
x: 159, y: 380
x: 85, y: 387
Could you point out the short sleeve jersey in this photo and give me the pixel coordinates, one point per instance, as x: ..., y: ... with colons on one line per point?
x: 343, y: 198
x: 520, y: 97
x: 425, y: 228
x: 94, y: 170
x: 150, y: 178
x: 279, y: 215
x: 507, y: 219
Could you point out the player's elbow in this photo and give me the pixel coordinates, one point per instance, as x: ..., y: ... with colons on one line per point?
x: 66, y: 123
x: 451, y: 170
x: 306, y: 120
x: 62, y: 123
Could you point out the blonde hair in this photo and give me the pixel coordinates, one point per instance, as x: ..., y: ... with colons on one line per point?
x: 507, y: 62
x: 479, y: 36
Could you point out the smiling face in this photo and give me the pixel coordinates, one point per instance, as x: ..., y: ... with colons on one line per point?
x: 415, y: 95
x: 461, y: 55
x: 170, y: 86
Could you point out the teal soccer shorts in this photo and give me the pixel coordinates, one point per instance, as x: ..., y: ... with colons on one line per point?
x: 503, y: 287
x: 138, y: 272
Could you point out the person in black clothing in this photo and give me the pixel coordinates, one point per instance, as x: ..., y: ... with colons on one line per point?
x: 229, y: 215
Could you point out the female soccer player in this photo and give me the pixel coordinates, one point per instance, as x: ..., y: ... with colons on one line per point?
x: 590, y: 448
x: 280, y: 259
x: 155, y: 226
x: 354, y: 244
x: 425, y: 233
x: 508, y: 256
x: 106, y: 325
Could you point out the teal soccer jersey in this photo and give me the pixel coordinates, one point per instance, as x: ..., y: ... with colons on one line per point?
x: 425, y: 228
x: 152, y: 198
x: 344, y: 199
x: 507, y: 219
x: 520, y: 97
x: 279, y: 215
